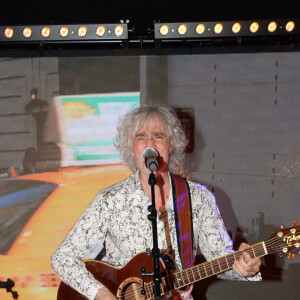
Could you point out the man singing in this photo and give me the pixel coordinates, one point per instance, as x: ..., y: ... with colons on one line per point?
x: 120, y: 212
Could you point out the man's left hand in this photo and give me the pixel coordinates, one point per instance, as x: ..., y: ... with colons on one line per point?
x: 246, y: 266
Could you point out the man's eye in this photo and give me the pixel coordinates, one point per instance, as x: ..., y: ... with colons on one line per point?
x: 140, y: 137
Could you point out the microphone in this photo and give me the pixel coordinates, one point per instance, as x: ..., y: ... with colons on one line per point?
x: 150, y: 157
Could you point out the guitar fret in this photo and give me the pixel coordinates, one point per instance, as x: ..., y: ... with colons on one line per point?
x: 253, y: 253
x: 190, y: 275
x: 198, y: 275
x: 234, y: 255
x: 220, y: 268
x: 192, y: 270
x: 264, y: 247
x: 203, y: 271
x: 209, y: 270
x: 230, y: 260
x: 226, y: 260
x: 259, y: 250
x: 185, y: 277
x: 176, y: 281
x: 216, y: 268
x: 263, y: 251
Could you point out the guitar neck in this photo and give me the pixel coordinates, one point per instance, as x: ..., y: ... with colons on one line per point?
x: 196, y: 273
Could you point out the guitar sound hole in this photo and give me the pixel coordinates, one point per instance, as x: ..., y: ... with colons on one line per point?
x: 132, y: 292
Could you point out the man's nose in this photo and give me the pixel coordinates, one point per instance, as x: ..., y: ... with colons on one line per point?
x: 150, y: 142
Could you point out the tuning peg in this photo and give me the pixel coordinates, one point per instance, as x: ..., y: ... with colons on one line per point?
x: 291, y: 256
x: 282, y: 226
x: 295, y: 224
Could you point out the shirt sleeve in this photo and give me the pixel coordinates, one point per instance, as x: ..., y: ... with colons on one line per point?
x: 80, y: 243
x: 213, y: 238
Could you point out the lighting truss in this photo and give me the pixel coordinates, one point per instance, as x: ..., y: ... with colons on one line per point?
x: 204, y: 30
x: 64, y: 33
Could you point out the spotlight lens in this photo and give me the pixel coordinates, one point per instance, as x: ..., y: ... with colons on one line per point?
x: 45, y: 32
x: 218, y: 28
x: 182, y: 29
x: 64, y: 31
x: 9, y: 32
x: 200, y: 28
x: 100, y: 30
x: 290, y: 26
x: 27, y: 32
x: 272, y: 27
x: 254, y: 27
x: 164, y: 29
x: 236, y: 27
x: 119, y: 30
x: 82, y: 31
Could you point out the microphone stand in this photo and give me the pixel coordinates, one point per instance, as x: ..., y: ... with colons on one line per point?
x: 8, y: 285
x: 155, y: 251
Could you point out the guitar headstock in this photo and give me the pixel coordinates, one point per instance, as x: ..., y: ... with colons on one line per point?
x: 284, y: 241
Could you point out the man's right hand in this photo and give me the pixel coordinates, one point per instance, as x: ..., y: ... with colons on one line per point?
x: 104, y: 294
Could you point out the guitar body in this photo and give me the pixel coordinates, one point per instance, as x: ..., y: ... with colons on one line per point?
x: 125, y: 283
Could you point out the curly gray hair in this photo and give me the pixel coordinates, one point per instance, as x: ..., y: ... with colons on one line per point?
x: 129, y: 125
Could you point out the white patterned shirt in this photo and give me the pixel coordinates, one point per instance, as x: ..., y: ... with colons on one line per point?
x: 120, y: 214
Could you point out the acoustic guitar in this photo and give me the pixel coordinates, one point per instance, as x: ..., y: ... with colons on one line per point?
x: 128, y: 283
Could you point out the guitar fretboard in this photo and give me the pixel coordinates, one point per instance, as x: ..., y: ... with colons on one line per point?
x: 185, y: 277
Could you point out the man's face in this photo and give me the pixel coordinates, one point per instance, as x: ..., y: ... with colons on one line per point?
x: 151, y: 134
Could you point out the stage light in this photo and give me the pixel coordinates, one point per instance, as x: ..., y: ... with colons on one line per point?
x: 64, y: 31
x: 119, y: 30
x: 181, y: 29
x: 236, y: 27
x: 200, y: 28
x: 82, y: 31
x: 27, y: 32
x: 164, y: 29
x: 254, y: 27
x: 100, y: 31
x: 272, y: 26
x: 218, y: 28
x: 45, y: 32
x: 289, y: 27
x: 9, y: 32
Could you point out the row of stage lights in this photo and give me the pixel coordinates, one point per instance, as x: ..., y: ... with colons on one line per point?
x: 64, y: 32
x: 218, y: 28
x: 228, y: 28
x: 94, y: 32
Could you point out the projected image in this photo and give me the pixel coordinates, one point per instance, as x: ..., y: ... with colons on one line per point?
x: 55, y: 156
x: 58, y: 118
x: 87, y: 125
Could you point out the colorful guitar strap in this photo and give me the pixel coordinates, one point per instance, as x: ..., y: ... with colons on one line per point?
x: 183, y: 219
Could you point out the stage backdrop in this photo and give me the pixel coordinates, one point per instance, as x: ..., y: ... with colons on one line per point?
x: 57, y: 124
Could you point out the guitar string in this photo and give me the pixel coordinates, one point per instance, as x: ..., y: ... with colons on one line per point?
x: 216, y: 262
x: 219, y: 263
x: 213, y: 263
x: 172, y: 275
